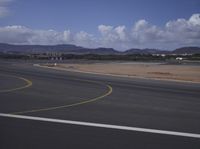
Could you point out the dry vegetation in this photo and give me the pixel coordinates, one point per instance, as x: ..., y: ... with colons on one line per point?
x: 147, y: 70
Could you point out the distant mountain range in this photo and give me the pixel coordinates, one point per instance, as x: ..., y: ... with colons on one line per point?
x: 65, y: 48
x: 146, y: 51
x: 188, y: 50
x: 73, y: 49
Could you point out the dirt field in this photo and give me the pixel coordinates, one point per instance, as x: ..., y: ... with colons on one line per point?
x: 146, y: 70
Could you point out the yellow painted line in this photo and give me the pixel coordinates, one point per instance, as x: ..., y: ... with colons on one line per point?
x: 28, y: 84
x: 109, y: 91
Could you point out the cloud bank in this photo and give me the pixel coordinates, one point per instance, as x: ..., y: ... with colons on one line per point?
x: 175, y: 33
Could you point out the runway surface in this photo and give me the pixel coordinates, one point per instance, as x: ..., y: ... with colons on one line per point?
x: 46, y: 108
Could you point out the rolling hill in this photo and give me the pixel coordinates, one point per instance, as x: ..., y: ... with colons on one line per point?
x: 73, y: 49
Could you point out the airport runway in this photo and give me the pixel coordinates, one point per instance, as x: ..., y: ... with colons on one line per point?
x: 46, y: 108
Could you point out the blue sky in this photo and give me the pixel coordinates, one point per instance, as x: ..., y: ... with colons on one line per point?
x: 83, y: 18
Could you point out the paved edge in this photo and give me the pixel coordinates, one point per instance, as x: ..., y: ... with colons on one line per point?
x: 107, y: 126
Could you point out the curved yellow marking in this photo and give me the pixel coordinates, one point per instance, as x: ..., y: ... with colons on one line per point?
x: 29, y: 83
x: 70, y: 105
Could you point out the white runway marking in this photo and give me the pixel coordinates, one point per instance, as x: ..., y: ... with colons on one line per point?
x: 155, y: 131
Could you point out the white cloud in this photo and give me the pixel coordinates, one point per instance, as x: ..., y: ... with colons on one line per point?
x: 84, y: 39
x: 195, y: 19
x: 115, y: 37
x: 103, y: 29
x: 184, y: 32
x: 23, y: 35
x: 140, y: 25
x: 15, y: 34
x: 67, y: 36
x: 175, y: 33
x: 121, y: 32
x: 118, y: 33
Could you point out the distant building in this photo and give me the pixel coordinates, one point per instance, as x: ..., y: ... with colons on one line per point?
x: 163, y: 55
x: 179, y: 58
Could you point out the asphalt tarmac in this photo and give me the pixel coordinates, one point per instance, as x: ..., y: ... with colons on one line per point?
x: 46, y: 108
